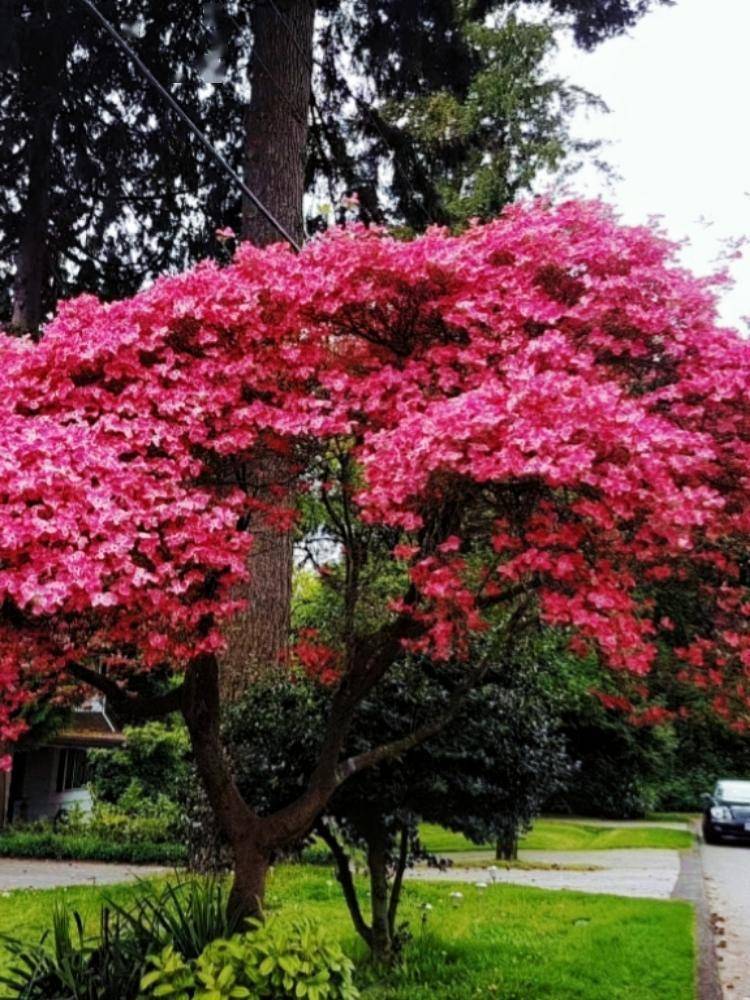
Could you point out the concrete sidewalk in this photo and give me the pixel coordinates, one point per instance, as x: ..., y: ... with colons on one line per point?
x: 23, y: 873
x: 644, y: 873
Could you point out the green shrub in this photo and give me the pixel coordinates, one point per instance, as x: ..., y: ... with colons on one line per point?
x: 156, y: 753
x: 271, y: 961
x: 109, y: 965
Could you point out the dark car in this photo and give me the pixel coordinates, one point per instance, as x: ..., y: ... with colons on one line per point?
x: 727, y: 812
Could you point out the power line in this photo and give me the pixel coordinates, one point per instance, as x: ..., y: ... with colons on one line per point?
x: 200, y: 135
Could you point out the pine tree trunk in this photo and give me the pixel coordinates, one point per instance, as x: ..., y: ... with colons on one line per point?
x: 276, y: 118
x: 275, y: 158
x: 32, y: 259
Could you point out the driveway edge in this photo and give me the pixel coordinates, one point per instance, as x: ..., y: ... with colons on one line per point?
x: 691, y: 887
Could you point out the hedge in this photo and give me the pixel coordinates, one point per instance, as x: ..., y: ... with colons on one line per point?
x: 80, y: 847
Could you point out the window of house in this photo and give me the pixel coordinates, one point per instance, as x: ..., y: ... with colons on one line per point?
x: 71, y: 769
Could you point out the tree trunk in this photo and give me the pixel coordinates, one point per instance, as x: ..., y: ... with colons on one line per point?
x: 32, y: 259
x: 344, y: 875
x: 377, y: 861
x: 276, y: 118
x: 251, y: 864
x: 506, y: 848
x: 275, y: 158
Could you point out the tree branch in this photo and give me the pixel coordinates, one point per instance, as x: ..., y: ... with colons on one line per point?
x: 201, y: 710
x: 400, y: 746
x: 347, y: 882
x: 131, y: 706
x: 398, y: 878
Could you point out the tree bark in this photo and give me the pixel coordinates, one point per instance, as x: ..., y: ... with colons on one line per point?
x: 506, y: 848
x: 251, y: 864
x: 32, y: 259
x: 274, y: 166
x: 377, y: 862
x: 276, y: 118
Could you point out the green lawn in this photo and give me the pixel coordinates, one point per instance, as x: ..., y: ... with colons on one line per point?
x: 564, y: 835
x: 503, y: 941
x: 673, y: 817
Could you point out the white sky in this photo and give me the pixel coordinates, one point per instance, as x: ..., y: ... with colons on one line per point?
x: 677, y: 87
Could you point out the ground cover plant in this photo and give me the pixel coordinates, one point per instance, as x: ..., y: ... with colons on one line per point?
x: 536, y: 422
x: 504, y: 941
x: 566, y: 835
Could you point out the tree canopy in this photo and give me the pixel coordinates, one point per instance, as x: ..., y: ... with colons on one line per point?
x: 542, y: 406
x: 536, y: 421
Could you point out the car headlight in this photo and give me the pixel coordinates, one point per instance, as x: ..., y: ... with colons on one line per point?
x: 721, y: 814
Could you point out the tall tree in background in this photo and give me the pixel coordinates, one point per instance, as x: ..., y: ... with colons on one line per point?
x: 274, y: 162
x: 392, y: 75
x: 103, y: 188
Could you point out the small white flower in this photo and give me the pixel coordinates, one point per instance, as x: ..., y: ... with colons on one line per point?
x: 426, y: 906
x: 457, y: 895
x: 481, y: 885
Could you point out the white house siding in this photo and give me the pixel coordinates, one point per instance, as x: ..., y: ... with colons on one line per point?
x: 39, y: 796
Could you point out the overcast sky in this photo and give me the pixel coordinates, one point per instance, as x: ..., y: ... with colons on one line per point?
x: 677, y: 87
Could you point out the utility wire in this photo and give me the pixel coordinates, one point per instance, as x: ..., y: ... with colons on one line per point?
x: 200, y: 135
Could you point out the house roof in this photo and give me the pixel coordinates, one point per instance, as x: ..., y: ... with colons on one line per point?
x: 88, y: 729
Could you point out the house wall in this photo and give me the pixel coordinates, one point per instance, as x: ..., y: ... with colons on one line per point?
x: 39, y: 797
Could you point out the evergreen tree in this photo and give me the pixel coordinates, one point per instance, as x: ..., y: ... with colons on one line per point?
x: 104, y: 188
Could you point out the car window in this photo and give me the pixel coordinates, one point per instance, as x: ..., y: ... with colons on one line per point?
x: 734, y: 791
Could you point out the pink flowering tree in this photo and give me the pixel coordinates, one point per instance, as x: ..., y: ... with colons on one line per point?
x: 538, y: 421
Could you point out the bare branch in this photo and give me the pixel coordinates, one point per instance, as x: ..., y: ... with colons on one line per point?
x: 131, y: 706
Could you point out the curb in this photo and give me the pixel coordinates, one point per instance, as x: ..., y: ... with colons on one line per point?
x: 690, y: 887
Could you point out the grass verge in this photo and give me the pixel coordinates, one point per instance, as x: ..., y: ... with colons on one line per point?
x: 562, y: 835
x: 504, y: 941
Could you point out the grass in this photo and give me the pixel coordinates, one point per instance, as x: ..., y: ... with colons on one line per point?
x: 563, y: 835
x: 506, y: 942
x: 672, y: 817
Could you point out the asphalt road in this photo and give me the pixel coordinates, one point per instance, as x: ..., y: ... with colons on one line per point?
x: 726, y: 870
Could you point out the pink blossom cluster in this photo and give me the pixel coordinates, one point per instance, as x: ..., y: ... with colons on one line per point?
x: 544, y: 404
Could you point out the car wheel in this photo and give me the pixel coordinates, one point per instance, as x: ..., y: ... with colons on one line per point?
x: 709, y: 835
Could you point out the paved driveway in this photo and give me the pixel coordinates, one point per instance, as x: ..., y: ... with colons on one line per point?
x: 645, y: 873
x: 17, y: 873
x: 727, y: 876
